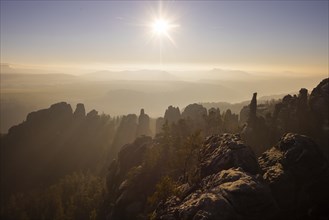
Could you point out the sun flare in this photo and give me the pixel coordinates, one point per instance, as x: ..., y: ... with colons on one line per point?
x: 160, y: 27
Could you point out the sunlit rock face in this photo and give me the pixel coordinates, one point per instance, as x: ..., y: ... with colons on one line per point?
x: 226, y: 151
x: 229, y: 186
x: 229, y: 194
x: 298, y: 176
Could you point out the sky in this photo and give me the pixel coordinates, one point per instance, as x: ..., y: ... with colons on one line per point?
x: 246, y: 35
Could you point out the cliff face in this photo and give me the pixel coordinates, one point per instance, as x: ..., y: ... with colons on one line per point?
x: 129, y: 181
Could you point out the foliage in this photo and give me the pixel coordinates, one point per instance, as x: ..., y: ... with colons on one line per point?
x: 165, y: 188
x: 76, y: 196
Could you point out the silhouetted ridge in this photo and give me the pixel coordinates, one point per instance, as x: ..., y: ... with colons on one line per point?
x: 52, y: 143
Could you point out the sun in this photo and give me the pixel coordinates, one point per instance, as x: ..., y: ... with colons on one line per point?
x: 160, y: 27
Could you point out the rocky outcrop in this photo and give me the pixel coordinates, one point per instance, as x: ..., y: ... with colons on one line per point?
x: 62, y: 110
x: 195, y: 116
x: 143, y: 127
x: 297, y: 174
x: 128, y: 182
x: 319, y: 106
x: 230, y: 122
x: 195, y: 112
x: 172, y: 115
x: 159, y: 124
x: 214, y: 122
x: 221, y: 152
x: 253, y: 108
x: 228, y: 195
x: 229, y: 186
x: 255, y: 131
x: 319, y: 102
x: 80, y: 111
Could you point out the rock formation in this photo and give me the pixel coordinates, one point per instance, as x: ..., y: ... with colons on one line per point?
x: 253, y: 108
x: 230, y: 122
x: 255, y: 132
x: 221, y: 152
x: 126, y: 132
x: 194, y: 112
x: 80, y: 111
x: 143, y: 127
x: 308, y: 116
x: 214, y: 122
x: 128, y: 183
x: 319, y: 106
x: 172, y: 115
x: 229, y: 186
x: 230, y: 194
x: 298, y: 176
x: 195, y: 115
x: 159, y: 124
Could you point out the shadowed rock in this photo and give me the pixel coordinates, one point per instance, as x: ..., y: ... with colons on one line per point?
x: 128, y: 183
x: 126, y: 132
x: 159, y: 124
x: 195, y: 112
x: 255, y: 131
x: 230, y: 122
x: 80, y: 111
x: 143, y: 127
x: 297, y: 173
x: 172, y: 115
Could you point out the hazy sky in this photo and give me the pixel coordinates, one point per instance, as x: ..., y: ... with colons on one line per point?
x: 246, y: 35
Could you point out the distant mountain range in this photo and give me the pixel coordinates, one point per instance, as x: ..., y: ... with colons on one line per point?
x: 142, y: 75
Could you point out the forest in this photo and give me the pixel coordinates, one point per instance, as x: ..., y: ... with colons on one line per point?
x: 270, y: 161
